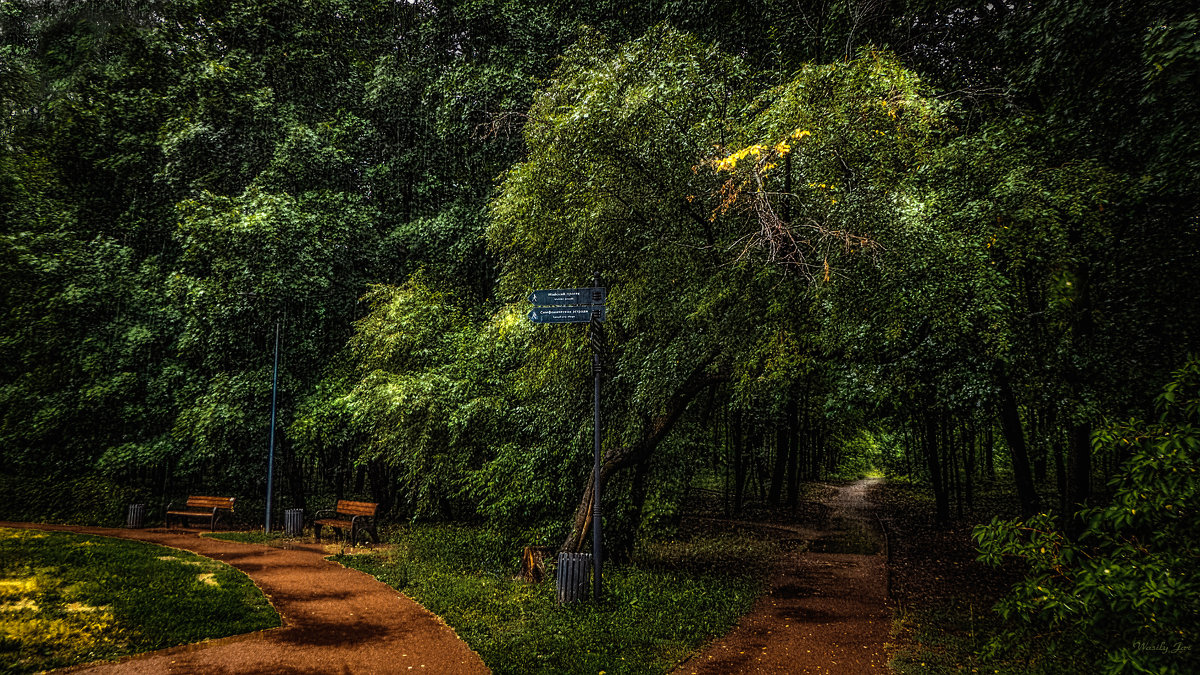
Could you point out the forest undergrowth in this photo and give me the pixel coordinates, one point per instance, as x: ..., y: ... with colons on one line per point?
x: 942, y: 596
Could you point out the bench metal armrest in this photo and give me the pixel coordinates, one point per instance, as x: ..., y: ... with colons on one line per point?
x: 323, y: 512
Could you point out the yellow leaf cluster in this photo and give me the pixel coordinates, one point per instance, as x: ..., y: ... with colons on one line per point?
x: 730, y: 162
x: 780, y: 149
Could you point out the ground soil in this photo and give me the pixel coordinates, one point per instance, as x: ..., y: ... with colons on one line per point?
x: 826, y: 610
x: 335, y: 620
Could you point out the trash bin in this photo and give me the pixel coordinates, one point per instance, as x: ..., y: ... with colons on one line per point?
x: 573, y: 577
x: 293, y: 522
x: 136, y: 516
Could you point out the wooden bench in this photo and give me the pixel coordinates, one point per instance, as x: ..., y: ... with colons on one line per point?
x: 200, y: 507
x: 355, y: 517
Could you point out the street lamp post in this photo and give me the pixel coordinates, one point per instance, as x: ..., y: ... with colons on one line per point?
x: 271, y: 443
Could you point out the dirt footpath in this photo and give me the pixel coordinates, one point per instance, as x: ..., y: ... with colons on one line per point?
x: 335, y: 620
x: 826, y: 611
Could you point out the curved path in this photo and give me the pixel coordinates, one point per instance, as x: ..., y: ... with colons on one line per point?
x: 826, y: 611
x: 335, y: 620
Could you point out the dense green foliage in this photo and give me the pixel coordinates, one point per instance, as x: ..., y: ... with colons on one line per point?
x: 956, y: 239
x: 68, y: 599
x: 1126, y: 587
x: 656, y: 611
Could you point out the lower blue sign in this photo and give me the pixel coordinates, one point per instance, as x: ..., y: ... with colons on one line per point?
x: 581, y: 314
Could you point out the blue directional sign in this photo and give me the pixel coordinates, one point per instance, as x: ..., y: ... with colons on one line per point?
x: 568, y: 296
x: 581, y: 314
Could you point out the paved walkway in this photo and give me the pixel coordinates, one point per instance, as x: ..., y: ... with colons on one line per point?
x: 335, y: 620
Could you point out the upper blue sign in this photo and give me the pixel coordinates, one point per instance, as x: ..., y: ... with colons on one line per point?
x: 568, y: 296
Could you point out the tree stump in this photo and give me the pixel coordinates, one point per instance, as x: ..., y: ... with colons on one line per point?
x: 533, y: 563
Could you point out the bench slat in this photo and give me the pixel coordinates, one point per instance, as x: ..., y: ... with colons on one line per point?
x: 202, y: 502
x: 334, y: 522
x: 347, y: 507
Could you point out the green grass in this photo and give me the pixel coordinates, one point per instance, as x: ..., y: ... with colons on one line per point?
x: 654, y: 614
x: 69, y: 598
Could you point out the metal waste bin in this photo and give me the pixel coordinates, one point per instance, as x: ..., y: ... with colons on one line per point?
x: 293, y: 522
x: 573, y: 577
x: 136, y: 516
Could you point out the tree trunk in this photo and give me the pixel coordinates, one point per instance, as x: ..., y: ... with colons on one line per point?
x: 780, y: 469
x: 1014, y: 434
x: 615, y: 459
x: 990, y: 451
x: 1080, y: 378
x: 793, y: 453
x: 970, y: 438
x: 293, y: 471
x: 726, y: 443
x: 343, y: 465
x: 624, y: 541
x: 1060, y: 476
x: 760, y: 471
x: 382, y: 486
x: 1081, y: 465
x: 940, y: 498
x: 1037, y: 425
x: 739, y: 464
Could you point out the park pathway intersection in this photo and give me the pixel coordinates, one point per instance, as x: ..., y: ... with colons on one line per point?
x: 826, y: 610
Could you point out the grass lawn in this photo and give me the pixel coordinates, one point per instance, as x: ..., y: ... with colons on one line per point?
x: 69, y: 598
x: 656, y: 611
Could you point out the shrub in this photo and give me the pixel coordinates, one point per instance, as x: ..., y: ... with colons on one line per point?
x: 1125, y: 594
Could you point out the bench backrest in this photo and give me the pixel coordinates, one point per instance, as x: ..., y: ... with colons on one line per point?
x: 200, y: 502
x: 349, y: 508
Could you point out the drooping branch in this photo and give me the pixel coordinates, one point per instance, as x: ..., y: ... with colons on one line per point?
x: 800, y: 244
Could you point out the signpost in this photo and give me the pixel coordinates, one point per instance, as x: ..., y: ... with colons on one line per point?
x: 581, y: 305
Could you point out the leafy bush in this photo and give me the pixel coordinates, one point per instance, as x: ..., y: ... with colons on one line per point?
x: 89, y: 499
x: 1125, y: 594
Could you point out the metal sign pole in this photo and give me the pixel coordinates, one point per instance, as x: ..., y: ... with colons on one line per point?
x: 597, y: 338
x: 271, y: 445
